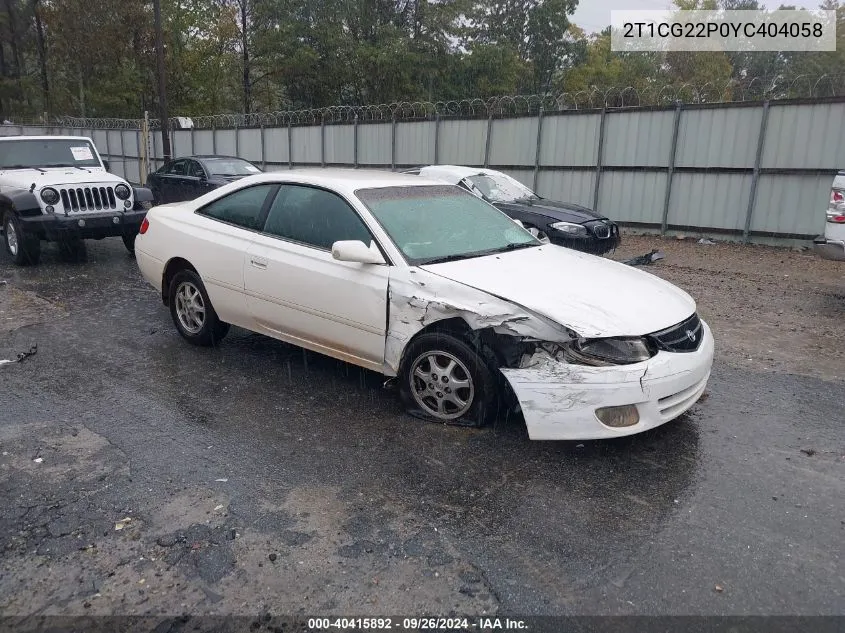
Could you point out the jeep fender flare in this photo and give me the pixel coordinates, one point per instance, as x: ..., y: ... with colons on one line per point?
x: 142, y: 194
x: 20, y: 201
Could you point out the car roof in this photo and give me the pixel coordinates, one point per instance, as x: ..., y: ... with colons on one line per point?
x: 345, y: 180
x: 454, y: 173
x: 45, y: 138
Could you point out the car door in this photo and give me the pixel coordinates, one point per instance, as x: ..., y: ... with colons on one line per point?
x: 298, y: 292
x: 170, y: 181
x: 196, y: 181
x: 219, y: 242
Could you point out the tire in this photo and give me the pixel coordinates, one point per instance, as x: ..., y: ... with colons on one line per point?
x: 199, y: 325
x: 72, y: 249
x: 129, y: 241
x: 24, y: 249
x: 451, y: 360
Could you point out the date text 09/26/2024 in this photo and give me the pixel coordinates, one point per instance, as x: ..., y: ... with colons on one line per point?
x: 417, y: 624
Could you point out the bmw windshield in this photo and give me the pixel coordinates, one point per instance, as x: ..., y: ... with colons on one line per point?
x: 54, y: 152
x: 438, y: 223
x: 497, y: 187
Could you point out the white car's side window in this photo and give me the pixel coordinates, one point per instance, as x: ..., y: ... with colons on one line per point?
x: 315, y: 217
x: 242, y: 208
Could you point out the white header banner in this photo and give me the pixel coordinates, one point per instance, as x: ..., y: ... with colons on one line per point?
x: 638, y: 31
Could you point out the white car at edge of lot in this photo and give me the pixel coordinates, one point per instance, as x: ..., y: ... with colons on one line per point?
x: 424, y: 281
x: 831, y: 245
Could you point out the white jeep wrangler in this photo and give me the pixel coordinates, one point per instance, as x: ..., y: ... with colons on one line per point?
x: 58, y: 189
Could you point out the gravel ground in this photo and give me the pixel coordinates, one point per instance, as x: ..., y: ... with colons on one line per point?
x: 771, y: 309
x: 259, y: 479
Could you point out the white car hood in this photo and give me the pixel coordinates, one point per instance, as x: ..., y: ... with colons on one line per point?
x: 593, y: 296
x: 55, y: 176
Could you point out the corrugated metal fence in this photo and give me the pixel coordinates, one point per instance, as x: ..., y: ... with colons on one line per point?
x: 751, y: 169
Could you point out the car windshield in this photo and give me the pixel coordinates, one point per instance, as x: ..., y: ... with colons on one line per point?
x: 499, y: 187
x: 435, y: 223
x: 230, y: 167
x: 57, y: 152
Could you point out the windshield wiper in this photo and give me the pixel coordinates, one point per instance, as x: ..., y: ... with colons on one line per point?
x: 491, y: 251
x: 21, y: 167
x: 446, y: 258
x: 81, y: 168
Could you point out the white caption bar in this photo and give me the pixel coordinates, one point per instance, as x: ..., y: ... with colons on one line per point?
x: 633, y: 31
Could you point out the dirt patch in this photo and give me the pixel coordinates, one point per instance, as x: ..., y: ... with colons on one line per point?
x: 770, y: 308
x: 19, y: 308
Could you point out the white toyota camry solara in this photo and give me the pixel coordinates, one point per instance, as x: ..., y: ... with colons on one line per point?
x: 425, y: 282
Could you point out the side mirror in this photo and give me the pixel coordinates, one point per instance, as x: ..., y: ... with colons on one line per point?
x: 107, y: 165
x: 357, y: 251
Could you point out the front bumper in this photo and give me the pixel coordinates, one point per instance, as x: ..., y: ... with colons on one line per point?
x: 829, y: 249
x: 559, y: 400
x: 84, y: 225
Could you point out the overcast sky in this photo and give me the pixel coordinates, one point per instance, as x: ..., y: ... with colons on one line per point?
x: 594, y: 15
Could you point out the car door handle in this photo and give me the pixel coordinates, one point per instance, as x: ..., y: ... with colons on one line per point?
x: 259, y: 262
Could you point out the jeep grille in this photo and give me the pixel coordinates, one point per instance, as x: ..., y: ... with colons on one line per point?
x: 88, y: 198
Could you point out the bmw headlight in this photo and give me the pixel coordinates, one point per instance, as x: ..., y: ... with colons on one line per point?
x: 122, y: 192
x: 50, y: 195
x: 575, y: 230
x: 609, y: 351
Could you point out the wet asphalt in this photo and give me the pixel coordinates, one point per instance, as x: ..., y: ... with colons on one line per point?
x: 719, y: 512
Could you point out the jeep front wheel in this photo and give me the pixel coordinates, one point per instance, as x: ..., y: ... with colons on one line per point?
x: 24, y: 249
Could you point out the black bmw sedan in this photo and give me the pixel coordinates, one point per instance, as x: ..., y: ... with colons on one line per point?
x: 563, y: 223
x: 192, y: 176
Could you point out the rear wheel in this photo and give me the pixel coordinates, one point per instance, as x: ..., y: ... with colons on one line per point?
x: 24, y: 249
x: 445, y: 379
x: 192, y: 311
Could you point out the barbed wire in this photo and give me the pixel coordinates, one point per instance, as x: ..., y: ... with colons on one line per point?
x: 748, y: 89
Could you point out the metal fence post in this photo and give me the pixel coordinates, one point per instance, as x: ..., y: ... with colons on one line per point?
x: 393, y: 143
x: 290, y: 146
x: 141, y: 175
x: 755, y: 178
x: 664, y: 223
x: 263, y: 150
x: 322, y: 141
x: 213, y: 138
x: 155, y: 151
x: 599, y: 159
x: 355, y: 142
x: 539, y: 144
x: 108, y: 147
x: 237, y: 141
x: 487, y: 140
x: 437, y: 138
x: 122, y: 155
x: 193, y: 141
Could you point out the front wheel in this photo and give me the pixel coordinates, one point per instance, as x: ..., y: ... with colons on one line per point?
x: 24, y: 249
x: 192, y: 311
x: 445, y: 379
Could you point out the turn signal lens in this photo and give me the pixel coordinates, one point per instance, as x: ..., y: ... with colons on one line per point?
x: 144, y: 226
x: 617, y: 417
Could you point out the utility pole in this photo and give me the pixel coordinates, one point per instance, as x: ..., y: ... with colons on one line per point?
x: 162, y: 85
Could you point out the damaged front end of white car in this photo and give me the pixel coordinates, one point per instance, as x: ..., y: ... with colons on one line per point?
x: 568, y: 386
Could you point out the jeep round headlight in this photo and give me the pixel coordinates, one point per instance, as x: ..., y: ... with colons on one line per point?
x: 50, y: 195
x: 122, y: 192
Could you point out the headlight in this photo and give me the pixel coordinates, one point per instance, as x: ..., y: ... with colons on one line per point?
x: 50, y: 195
x: 571, y: 228
x: 609, y: 351
x: 122, y: 192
